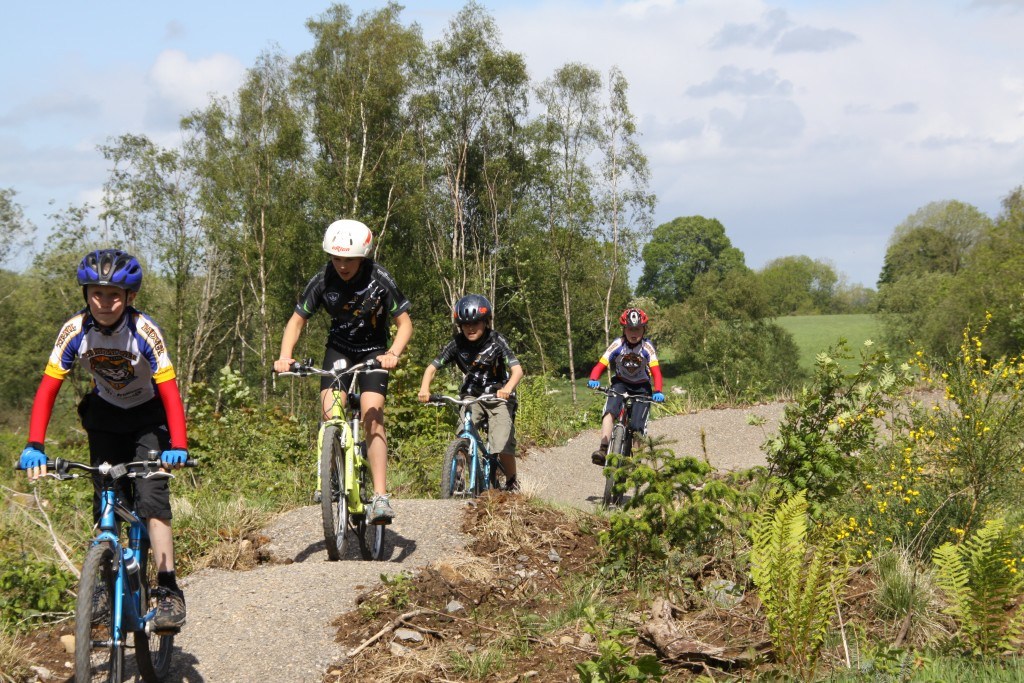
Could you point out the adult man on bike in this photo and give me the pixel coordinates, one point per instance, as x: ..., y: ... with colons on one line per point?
x: 362, y: 300
x: 134, y: 406
x: 634, y: 364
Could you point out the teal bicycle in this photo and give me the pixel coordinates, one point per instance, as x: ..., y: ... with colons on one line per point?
x: 343, y: 476
x: 468, y: 468
x: 116, y: 605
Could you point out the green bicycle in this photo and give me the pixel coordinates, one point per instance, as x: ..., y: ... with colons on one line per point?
x: 343, y: 477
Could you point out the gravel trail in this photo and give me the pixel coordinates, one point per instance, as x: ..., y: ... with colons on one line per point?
x: 273, y: 623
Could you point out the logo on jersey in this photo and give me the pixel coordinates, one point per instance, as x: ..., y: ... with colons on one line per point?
x: 631, y: 362
x: 115, y: 369
x: 332, y: 297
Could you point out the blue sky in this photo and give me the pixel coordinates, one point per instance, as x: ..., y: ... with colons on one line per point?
x: 805, y: 127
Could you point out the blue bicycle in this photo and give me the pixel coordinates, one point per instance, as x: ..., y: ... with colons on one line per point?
x: 114, y: 610
x: 469, y: 468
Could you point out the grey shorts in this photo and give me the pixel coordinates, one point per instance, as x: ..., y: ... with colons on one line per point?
x: 501, y: 426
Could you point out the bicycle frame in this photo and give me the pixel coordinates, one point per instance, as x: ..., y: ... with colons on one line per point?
x: 348, y: 429
x: 480, y: 459
x: 126, y: 615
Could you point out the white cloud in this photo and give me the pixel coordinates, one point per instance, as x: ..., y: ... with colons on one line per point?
x: 184, y: 84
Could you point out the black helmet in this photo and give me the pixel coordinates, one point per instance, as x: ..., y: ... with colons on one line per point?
x: 110, y: 267
x: 471, y: 308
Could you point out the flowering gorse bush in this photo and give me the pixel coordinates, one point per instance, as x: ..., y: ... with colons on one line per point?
x: 952, y: 459
x: 833, y: 425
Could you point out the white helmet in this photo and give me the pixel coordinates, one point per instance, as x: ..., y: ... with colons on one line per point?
x: 348, y: 238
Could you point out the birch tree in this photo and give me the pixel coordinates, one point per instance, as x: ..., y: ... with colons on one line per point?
x: 626, y: 206
x: 572, y: 132
x: 468, y: 111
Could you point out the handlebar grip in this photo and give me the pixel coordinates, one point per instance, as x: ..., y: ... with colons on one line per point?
x: 192, y: 462
x: 436, y: 398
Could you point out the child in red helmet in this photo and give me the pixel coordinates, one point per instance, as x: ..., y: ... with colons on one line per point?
x: 634, y: 365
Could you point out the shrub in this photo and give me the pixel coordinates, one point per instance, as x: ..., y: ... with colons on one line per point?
x: 32, y: 589
x: 832, y: 424
x: 677, y: 507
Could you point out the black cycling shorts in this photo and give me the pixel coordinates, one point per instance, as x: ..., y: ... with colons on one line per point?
x: 118, y: 435
x: 376, y: 382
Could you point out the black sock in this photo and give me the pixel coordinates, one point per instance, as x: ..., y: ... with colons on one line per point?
x: 168, y: 580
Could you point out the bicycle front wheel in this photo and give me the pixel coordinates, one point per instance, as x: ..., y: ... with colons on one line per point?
x: 98, y: 657
x: 616, y: 450
x: 152, y: 650
x: 455, y: 469
x: 371, y: 536
x: 333, y: 504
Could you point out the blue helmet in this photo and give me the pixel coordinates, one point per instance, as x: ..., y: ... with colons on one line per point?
x: 110, y: 267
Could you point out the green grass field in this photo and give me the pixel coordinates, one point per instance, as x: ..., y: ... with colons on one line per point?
x: 816, y: 333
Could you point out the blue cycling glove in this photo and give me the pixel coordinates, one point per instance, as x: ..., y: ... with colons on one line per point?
x: 31, y: 457
x: 174, y: 456
x: 658, y: 397
x: 593, y: 384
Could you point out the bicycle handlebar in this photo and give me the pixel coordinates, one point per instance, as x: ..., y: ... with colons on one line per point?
x: 58, y: 468
x: 306, y: 368
x: 438, y: 399
x: 643, y: 398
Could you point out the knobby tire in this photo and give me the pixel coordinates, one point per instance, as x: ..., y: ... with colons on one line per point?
x: 617, y: 449
x: 152, y: 650
x: 455, y: 469
x: 371, y: 536
x: 104, y: 662
x: 332, y: 494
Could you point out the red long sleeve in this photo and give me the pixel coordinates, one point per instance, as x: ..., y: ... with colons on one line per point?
x: 598, y: 370
x: 656, y: 377
x: 175, y: 410
x: 42, y: 408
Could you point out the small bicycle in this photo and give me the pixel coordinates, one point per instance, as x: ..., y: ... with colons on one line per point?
x: 469, y: 468
x: 123, y: 571
x: 621, y: 446
x: 343, y: 476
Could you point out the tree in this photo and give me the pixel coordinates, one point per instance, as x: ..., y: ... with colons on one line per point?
x: 354, y: 83
x: 570, y: 132
x: 798, y: 285
x: 15, y: 230
x: 151, y: 200
x: 251, y: 153
x: 681, y: 250
x: 626, y: 206
x: 937, y: 238
x: 469, y: 115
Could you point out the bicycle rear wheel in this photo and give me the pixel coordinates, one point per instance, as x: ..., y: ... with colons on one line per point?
x: 152, y: 650
x: 455, y: 469
x: 97, y: 656
x: 616, y: 450
x: 371, y: 536
x: 332, y: 501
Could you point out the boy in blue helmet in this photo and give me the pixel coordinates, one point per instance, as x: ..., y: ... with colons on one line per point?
x: 490, y: 367
x: 134, y: 406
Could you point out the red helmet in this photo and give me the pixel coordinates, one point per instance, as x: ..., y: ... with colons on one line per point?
x: 633, y: 317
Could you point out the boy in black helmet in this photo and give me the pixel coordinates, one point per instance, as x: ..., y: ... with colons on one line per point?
x: 490, y: 367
